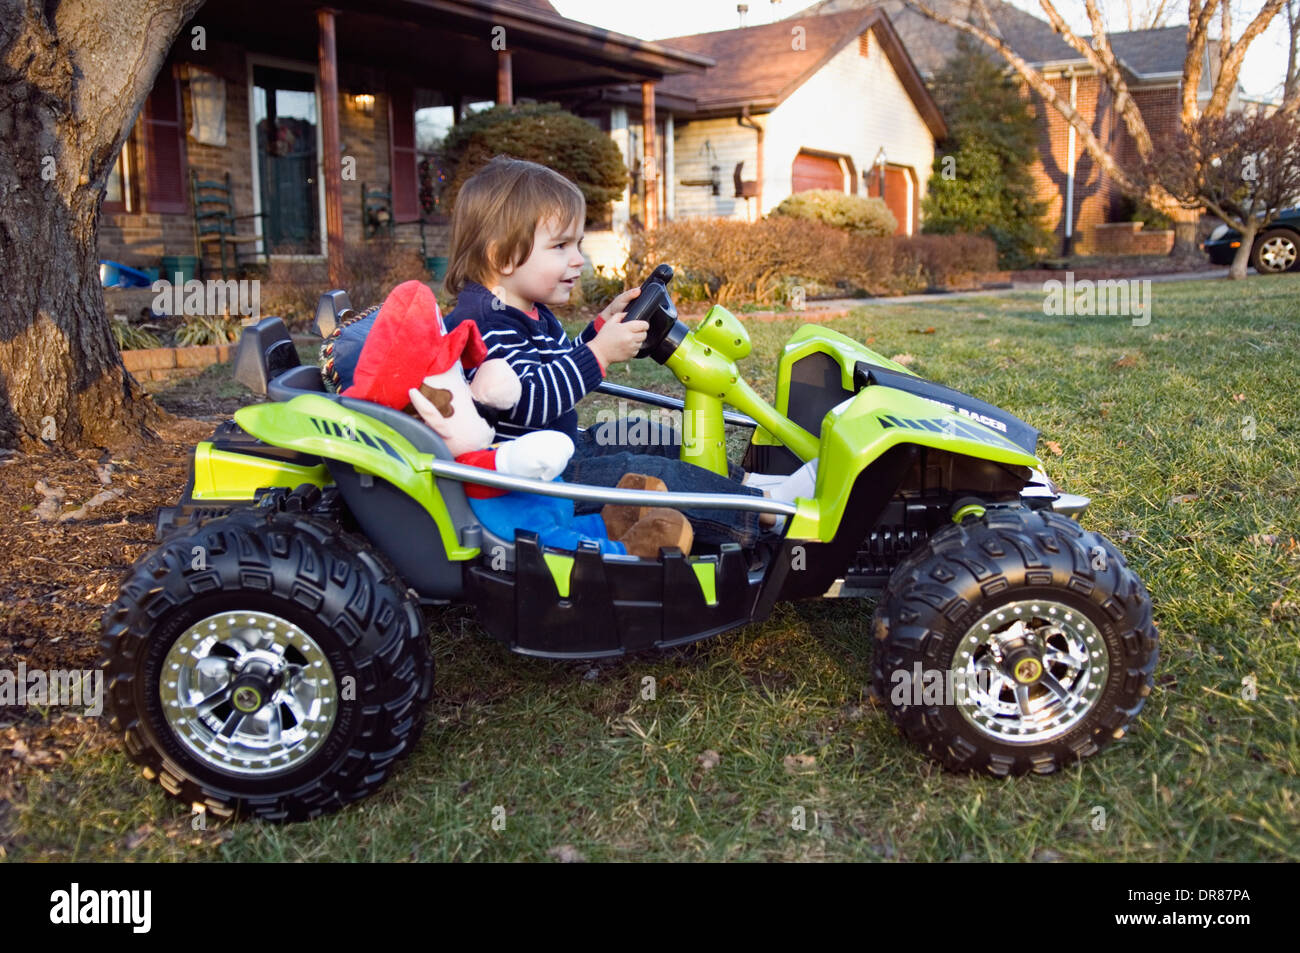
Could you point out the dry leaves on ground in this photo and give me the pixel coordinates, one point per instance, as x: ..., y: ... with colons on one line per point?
x: 800, y: 763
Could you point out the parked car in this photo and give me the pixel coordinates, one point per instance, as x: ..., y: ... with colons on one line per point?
x: 1276, y: 249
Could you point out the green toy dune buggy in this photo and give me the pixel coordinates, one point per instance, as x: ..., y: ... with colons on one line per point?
x: 269, y: 657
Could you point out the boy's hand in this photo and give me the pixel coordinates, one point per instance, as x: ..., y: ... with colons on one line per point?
x: 619, y: 340
x: 619, y: 303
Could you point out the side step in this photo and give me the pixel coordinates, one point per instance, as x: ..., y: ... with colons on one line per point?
x: 559, y: 604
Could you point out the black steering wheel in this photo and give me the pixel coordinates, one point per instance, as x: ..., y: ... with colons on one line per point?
x: 655, y: 307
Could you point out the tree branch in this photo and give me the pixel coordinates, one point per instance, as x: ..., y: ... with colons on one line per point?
x: 1198, y: 31
x: 1124, y: 104
x: 1291, y: 87
x: 1035, y: 80
x: 1232, y: 56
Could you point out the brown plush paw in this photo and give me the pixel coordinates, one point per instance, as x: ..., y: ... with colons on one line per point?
x: 659, y: 528
x: 620, y: 518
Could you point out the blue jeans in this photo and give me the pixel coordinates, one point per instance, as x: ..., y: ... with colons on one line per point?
x: 600, y: 459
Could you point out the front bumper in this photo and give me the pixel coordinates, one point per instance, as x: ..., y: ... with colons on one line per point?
x: 1041, y: 488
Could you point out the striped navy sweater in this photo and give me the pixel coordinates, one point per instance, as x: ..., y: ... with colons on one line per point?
x: 554, y: 371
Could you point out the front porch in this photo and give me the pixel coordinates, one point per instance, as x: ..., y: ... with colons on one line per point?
x: 312, y: 83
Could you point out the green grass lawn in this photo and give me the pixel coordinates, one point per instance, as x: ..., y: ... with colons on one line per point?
x: 1186, y: 434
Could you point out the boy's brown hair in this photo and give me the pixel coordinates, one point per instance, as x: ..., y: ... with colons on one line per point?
x: 500, y: 205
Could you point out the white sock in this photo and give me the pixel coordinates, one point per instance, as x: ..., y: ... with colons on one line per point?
x: 800, y: 483
x: 764, y: 481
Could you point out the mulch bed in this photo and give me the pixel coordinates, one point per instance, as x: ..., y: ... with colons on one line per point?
x: 56, y: 578
x: 1118, y: 268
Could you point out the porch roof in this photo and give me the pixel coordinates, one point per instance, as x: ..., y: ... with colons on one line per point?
x: 429, y: 40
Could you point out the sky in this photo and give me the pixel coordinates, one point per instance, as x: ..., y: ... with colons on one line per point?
x: 1261, y: 74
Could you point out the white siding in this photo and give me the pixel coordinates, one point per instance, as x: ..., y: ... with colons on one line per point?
x: 702, y: 143
x: 852, y: 106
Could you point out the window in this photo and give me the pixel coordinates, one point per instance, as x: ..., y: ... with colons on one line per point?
x: 403, y: 165
x: 168, y: 182
x: 119, y: 192
x: 431, y: 127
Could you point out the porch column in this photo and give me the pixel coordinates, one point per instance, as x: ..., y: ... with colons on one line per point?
x: 648, y: 155
x: 327, y: 56
x: 670, y: 170
x: 505, y: 79
x: 622, y: 208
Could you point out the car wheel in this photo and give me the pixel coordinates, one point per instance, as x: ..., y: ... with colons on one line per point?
x: 266, y: 664
x: 1276, y: 251
x: 1014, y: 643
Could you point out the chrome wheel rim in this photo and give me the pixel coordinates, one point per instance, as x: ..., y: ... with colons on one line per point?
x: 249, y: 693
x: 1277, y: 254
x: 1072, y: 666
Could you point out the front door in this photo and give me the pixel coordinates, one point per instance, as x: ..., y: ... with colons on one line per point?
x: 897, y: 182
x: 284, y: 122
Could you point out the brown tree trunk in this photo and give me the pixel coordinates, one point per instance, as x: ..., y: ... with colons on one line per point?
x: 1241, y: 260
x: 1185, y: 245
x: 68, y: 98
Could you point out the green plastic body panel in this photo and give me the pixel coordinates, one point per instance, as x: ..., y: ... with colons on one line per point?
x: 223, y: 475
x: 809, y: 339
x: 710, y: 378
x: 319, y: 426
x: 722, y: 331
x: 704, y: 440
x: 858, y: 431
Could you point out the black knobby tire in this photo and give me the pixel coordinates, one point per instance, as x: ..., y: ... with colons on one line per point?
x: 1279, y: 240
x: 935, y: 608
x: 301, y: 572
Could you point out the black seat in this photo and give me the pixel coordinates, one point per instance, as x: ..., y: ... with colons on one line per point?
x: 267, y: 363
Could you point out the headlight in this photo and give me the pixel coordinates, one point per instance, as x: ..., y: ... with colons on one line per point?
x: 1219, y: 232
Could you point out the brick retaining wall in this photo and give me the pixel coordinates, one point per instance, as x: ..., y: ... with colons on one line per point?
x: 164, y: 363
x: 1128, y: 238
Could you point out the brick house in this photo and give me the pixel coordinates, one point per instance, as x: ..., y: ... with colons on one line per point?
x: 1085, y: 209
x: 349, y: 80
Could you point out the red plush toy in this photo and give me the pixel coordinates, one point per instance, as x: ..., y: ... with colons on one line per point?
x: 410, y: 362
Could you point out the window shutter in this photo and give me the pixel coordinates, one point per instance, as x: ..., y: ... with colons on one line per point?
x: 164, y: 117
x: 401, y: 139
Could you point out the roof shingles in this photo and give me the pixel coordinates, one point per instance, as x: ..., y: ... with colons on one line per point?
x: 1144, y: 52
x: 760, y: 64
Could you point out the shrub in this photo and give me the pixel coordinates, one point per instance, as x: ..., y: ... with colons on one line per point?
x: 543, y: 133
x: 207, y: 329
x: 735, y: 262
x: 947, y: 259
x: 597, y: 288
x: 1152, y: 219
x: 981, y: 183
x: 131, y: 337
x: 853, y: 213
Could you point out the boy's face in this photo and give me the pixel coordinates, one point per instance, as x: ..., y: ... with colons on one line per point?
x: 551, y: 271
